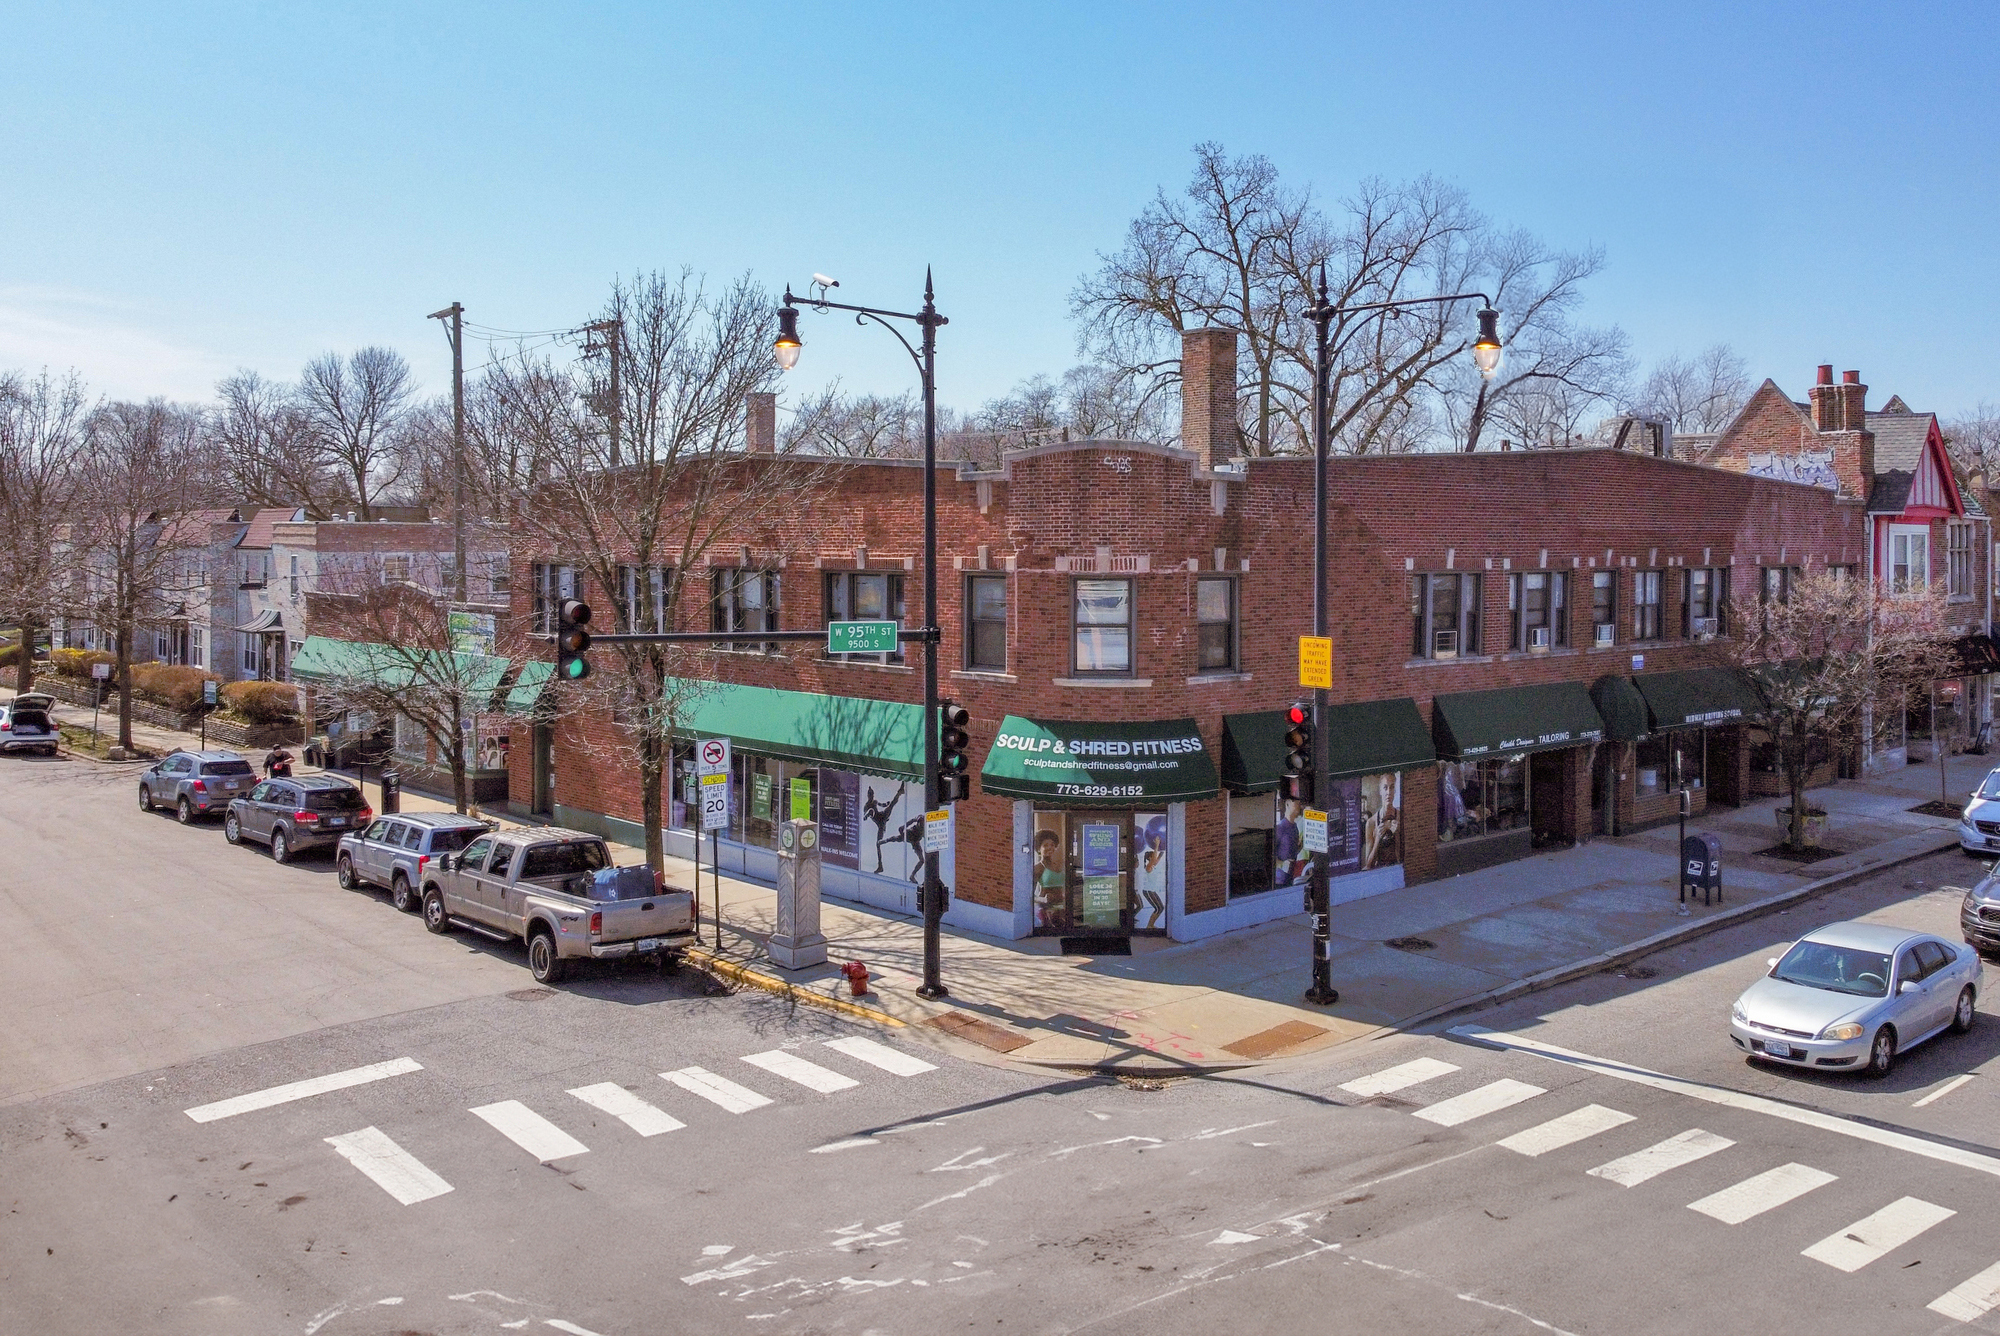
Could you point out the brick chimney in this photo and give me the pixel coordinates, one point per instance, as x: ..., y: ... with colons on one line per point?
x: 1208, y: 395
x: 1840, y: 419
x: 761, y: 424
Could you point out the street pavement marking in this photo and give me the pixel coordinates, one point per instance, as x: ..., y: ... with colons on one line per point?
x: 317, y: 1085
x: 1398, y: 1078
x: 1886, y: 1230
x: 1478, y: 1103
x: 795, y: 1068
x: 396, y: 1171
x: 894, y: 1061
x: 1734, y: 1099
x: 634, y: 1112
x: 1556, y: 1133
x: 1943, y: 1090
x: 1684, y: 1148
x: 714, y: 1089
x: 530, y: 1131
x: 1756, y: 1195
x: 1970, y: 1300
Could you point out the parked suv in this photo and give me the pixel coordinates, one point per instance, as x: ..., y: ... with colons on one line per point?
x: 395, y: 850
x: 195, y: 783
x: 27, y: 725
x: 293, y: 815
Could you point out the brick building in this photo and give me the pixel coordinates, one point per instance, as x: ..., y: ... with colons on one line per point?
x: 1521, y: 647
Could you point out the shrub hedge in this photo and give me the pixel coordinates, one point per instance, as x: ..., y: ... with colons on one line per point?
x: 177, y: 688
x: 261, y: 702
x: 77, y: 662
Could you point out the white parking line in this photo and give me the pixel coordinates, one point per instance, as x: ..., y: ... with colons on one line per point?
x: 716, y: 1090
x: 1756, y: 1195
x: 1685, y: 1148
x: 1556, y: 1133
x: 894, y: 1061
x: 530, y: 1131
x: 1943, y: 1090
x: 1886, y: 1230
x: 1478, y: 1103
x: 1734, y: 1099
x: 396, y: 1171
x: 628, y: 1108
x: 795, y: 1068
x: 1970, y: 1300
x: 1398, y: 1078
x: 317, y: 1085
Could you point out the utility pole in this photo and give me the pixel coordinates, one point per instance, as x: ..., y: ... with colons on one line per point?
x: 612, y: 334
x: 454, y: 332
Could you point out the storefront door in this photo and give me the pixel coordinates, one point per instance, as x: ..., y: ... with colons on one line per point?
x: 1100, y: 873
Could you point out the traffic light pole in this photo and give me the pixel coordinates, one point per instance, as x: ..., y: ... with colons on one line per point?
x: 1322, y: 993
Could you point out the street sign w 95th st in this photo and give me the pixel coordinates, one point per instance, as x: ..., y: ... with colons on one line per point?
x: 860, y: 637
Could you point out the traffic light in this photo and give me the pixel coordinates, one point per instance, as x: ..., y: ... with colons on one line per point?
x: 1299, y: 753
x: 572, y: 639
x: 954, y: 767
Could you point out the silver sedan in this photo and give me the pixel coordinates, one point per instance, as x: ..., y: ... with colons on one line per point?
x: 1854, y: 995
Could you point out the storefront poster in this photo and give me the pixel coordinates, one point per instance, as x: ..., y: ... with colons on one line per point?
x: 1288, y: 849
x: 889, y: 821
x: 1149, y: 870
x: 470, y: 632
x: 1343, y: 827
x: 1100, y: 849
x: 802, y: 800
x: 760, y: 797
x: 839, y: 813
x: 1100, y: 901
x: 1381, y: 821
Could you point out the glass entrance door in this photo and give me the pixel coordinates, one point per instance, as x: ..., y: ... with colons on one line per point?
x: 1099, y: 873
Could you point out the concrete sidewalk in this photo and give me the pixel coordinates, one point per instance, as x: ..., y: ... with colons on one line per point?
x: 1236, y: 999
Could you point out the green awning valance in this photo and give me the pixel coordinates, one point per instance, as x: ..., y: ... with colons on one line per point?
x: 527, y: 690
x: 326, y: 661
x: 1098, y: 761
x: 1622, y: 708
x: 1696, y: 697
x: 1366, y: 738
x: 877, y: 736
x: 1511, y: 721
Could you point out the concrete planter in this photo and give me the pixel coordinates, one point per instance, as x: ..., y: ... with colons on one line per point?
x: 1816, y: 823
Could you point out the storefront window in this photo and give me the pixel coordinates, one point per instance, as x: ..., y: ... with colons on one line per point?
x: 1253, y: 820
x: 1671, y: 761
x: 1364, y: 831
x: 1478, y: 798
x: 1100, y: 872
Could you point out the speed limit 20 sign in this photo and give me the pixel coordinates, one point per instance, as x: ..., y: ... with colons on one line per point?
x: 712, y: 755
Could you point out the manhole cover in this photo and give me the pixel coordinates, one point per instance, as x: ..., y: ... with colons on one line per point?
x: 531, y: 994
x: 1411, y: 944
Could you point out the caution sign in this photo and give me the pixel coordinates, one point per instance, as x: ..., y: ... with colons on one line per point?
x: 1316, y: 662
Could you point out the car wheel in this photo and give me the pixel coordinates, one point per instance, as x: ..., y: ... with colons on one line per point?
x: 145, y: 799
x: 184, y: 812
x: 343, y: 871
x: 400, y: 894
x: 1961, y: 1016
x: 543, y: 962
x: 1882, y: 1053
x: 232, y: 829
x: 435, y: 917
x: 281, y: 848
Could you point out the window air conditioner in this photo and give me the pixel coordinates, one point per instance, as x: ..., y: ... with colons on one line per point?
x: 1538, y: 639
x: 1607, y: 635
x: 1704, y: 628
x: 1444, y: 644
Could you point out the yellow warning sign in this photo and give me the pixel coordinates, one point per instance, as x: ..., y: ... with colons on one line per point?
x: 1316, y: 661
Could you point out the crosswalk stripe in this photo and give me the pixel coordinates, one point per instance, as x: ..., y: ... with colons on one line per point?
x: 795, y: 1068
x: 1885, y: 1231
x: 317, y: 1085
x: 1970, y: 1300
x: 1762, y: 1192
x: 1478, y: 1103
x: 1398, y: 1078
x: 396, y: 1171
x: 894, y: 1061
x: 1684, y: 1148
x: 529, y: 1130
x: 716, y: 1090
x: 1556, y: 1133
x: 627, y: 1107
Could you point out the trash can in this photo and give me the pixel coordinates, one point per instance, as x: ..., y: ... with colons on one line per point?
x: 392, y: 792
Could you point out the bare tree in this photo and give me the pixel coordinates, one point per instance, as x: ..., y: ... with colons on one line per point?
x: 1703, y: 393
x: 1974, y: 440
x: 353, y: 410
x: 862, y: 426
x: 267, y: 449
x: 42, y: 436
x: 1834, y: 650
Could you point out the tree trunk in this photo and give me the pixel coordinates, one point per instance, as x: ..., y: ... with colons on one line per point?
x: 652, y: 756
x: 1476, y: 423
x: 24, y: 672
x: 122, y: 640
x: 1795, y: 752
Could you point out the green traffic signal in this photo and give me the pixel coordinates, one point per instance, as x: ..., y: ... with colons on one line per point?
x: 572, y: 616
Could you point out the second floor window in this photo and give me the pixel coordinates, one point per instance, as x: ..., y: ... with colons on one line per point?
x: 1909, y: 558
x: 1604, y: 607
x: 1215, y: 616
x: 1539, y: 604
x: 499, y: 579
x: 1444, y: 613
x: 1776, y: 584
x: 1103, y: 626
x: 1645, y: 605
x: 552, y: 583
x: 986, y: 623
x: 1704, y: 599
x: 1958, y: 560
x: 746, y: 600
x: 395, y: 568
x: 866, y: 596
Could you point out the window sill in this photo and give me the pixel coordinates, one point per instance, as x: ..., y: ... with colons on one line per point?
x: 1516, y: 655
x: 984, y: 675
x: 834, y: 661
x: 1209, y: 679
x: 1124, y: 683
x: 1450, y: 663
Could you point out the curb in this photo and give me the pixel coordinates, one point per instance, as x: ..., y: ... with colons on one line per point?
x: 770, y: 983
x: 1659, y: 941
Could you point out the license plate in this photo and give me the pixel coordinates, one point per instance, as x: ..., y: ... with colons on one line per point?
x: 649, y: 944
x: 1778, y: 1050
x: 337, y: 821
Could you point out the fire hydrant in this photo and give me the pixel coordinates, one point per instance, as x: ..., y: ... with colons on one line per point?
x: 857, y: 977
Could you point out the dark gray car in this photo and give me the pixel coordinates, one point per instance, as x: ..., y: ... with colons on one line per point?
x: 394, y: 850
x: 195, y: 783
x: 292, y: 815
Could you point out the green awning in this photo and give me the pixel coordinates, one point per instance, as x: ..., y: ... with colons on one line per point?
x: 878, y: 736
x: 327, y: 661
x: 1622, y: 707
x: 1092, y: 761
x: 1696, y: 697
x: 1367, y: 738
x: 527, y: 690
x: 1512, y: 721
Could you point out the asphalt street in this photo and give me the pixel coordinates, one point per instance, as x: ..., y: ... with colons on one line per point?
x: 446, y: 1148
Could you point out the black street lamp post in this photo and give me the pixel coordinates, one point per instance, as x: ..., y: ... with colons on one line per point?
x: 786, y: 348
x: 1486, y: 355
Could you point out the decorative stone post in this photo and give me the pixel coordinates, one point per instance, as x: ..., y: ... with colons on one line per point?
x: 797, y: 944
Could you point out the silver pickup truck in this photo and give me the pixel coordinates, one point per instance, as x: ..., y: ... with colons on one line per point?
x: 558, y: 891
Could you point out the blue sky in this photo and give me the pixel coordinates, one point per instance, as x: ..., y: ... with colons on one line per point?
x: 186, y: 190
